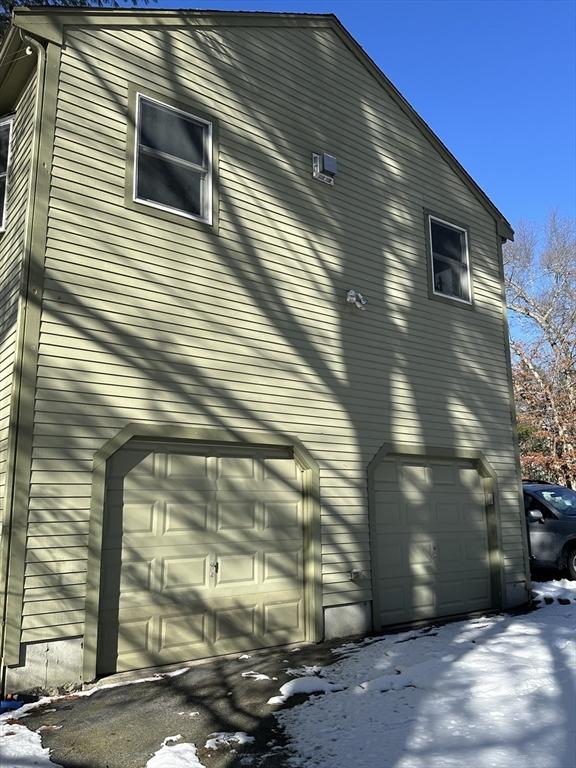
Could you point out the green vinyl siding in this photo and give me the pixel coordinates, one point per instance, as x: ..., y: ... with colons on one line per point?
x: 245, y: 326
x: 11, y: 256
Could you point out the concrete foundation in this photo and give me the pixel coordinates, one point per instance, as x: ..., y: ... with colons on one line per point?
x: 47, y: 666
x: 346, y: 620
x: 517, y: 594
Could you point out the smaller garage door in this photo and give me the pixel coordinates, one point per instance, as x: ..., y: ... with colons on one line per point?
x: 202, y: 553
x: 429, y: 540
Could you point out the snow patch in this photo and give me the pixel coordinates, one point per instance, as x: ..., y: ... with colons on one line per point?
x: 304, y: 685
x: 563, y: 588
x: 304, y: 671
x: 22, y: 748
x: 256, y: 675
x: 177, y: 756
x: 222, y: 739
x: 168, y: 739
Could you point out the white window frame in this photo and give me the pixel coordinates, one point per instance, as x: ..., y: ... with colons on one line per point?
x: 9, y: 120
x: 207, y: 183
x: 465, y: 263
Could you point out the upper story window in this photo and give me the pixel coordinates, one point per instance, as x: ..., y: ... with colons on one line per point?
x: 173, y: 160
x: 5, y: 137
x: 450, y: 263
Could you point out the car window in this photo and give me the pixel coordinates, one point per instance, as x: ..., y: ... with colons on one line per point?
x: 563, y: 500
x: 530, y: 502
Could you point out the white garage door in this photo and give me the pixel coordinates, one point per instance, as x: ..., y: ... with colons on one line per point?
x: 202, y: 553
x: 429, y: 540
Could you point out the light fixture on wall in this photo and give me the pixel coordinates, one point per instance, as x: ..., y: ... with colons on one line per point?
x: 356, y: 298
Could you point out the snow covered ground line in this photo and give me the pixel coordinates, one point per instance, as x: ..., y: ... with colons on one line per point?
x: 494, y: 692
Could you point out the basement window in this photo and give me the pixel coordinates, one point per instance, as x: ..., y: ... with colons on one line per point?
x: 5, y: 141
x: 173, y: 160
x: 450, y: 263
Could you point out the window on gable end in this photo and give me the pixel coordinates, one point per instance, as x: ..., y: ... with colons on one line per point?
x: 5, y: 147
x: 173, y: 160
x: 450, y: 263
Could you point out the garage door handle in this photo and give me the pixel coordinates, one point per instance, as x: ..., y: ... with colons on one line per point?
x: 213, y: 567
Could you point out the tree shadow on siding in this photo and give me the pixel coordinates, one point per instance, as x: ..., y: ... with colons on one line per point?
x: 247, y: 327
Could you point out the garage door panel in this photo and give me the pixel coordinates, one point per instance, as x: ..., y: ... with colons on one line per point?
x: 233, y: 514
x: 414, y: 478
x: 283, y: 514
x: 135, y: 635
x: 236, y: 623
x: 136, y: 576
x: 284, y: 619
x: 450, y: 591
x: 442, y: 474
x: 184, y: 508
x: 468, y: 478
x: 239, y: 468
x: 138, y: 518
x: 283, y: 473
x: 393, y: 602
x: 391, y: 553
x: 181, y: 517
x: 183, y: 632
x: 183, y: 573
x: 237, y: 571
x: 186, y: 467
x: 282, y: 566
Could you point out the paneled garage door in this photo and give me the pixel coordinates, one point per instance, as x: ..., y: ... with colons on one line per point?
x: 202, y: 553
x: 429, y: 540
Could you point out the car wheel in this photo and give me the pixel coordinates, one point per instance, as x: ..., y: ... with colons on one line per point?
x: 572, y: 564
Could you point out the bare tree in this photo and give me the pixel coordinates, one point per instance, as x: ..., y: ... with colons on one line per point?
x: 541, y: 294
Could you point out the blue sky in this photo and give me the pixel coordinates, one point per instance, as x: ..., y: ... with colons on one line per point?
x: 495, y: 80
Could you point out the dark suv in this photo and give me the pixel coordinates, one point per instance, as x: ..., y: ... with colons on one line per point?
x: 551, y: 518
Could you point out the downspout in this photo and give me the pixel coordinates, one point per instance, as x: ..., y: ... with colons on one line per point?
x: 20, y: 347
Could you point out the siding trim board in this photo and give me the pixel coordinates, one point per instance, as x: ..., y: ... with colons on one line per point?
x: 151, y: 430
x: 512, y: 401
x: 22, y: 407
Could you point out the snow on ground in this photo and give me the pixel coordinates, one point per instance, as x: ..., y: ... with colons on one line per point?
x: 175, y: 756
x: 564, y: 589
x: 22, y: 748
x: 257, y: 676
x: 304, y: 685
x: 493, y: 692
x: 222, y: 739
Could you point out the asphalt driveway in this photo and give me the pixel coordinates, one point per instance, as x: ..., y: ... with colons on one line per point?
x: 124, y: 726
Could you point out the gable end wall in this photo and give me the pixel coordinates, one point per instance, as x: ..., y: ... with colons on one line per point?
x: 244, y: 326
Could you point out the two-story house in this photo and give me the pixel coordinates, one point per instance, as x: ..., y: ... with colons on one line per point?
x: 255, y: 377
